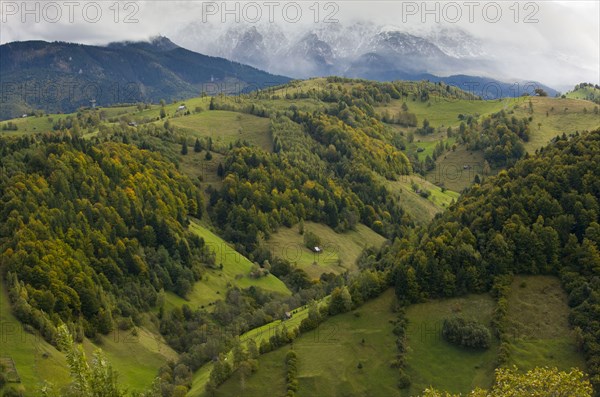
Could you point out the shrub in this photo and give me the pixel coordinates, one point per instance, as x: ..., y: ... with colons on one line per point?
x: 311, y: 240
x: 466, y: 333
x: 404, y: 381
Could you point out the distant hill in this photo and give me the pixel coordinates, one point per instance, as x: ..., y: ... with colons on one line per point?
x: 585, y: 91
x: 60, y: 77
x: 376, y: 68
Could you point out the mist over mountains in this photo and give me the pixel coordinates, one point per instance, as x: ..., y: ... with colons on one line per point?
x: 361, y: 50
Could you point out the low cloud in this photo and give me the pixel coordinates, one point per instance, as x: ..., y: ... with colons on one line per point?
x: 556, y: 42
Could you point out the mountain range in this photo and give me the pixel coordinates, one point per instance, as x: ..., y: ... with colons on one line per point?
x: 362, y: 50
x: 60, y: 77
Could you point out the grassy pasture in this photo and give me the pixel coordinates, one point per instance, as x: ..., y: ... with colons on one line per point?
x: 339, y: 250
x: 431, y: 361
x: 216, y: 282
x: 538, y: 325
x: 328, y: 358
x: 225, y: 127
x: 419, y: 208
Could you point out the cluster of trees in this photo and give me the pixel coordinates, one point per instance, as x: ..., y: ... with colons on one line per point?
x: 315, y: 317
x: 323, y: 163
x: 221, y: 371
x: 340, y: 301
x: 584, y: 85
x: 500, y: 136
x: 245, y: 362
x: 350, y: 131
x: 291, y: 364
x: 426, y: 128
x: 335, y: 89
x: 281, y: 337
x: 90, y: 232
x: 311, y: 240
x: 80, y: 122
x: 377, y: 92
x: 400, y: 326
x: 593, y: 94
x: 10, y: 126
x: 466, y: 333
x: 500, y: 323
x: 539, y: 217
x: 403, y: 117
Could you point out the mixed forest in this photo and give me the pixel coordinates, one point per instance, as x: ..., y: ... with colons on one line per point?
x: 158, y: 221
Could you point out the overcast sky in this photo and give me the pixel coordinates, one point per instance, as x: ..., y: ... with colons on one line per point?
x: 555, y: 42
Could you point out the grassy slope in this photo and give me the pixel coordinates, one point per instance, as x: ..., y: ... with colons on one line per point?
x: 136, y: 358
x: 421, y: 209
x: 564, y: 115
x: 340, y: 250
x: 226, y: 127
x: 442, y: 112
x: 27, y: 351
x: 449, y: 167
x: 431, y: 361
x: 33, y: 124
x: 328, y: 358
x: 214, y: 283
x: 583, y: 93
x: 197, y: 167
x: 258, y: 334
x: 450, y: 171
x: 539, y: 329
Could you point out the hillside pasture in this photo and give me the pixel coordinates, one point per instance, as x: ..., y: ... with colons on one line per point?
x: 339, y: 251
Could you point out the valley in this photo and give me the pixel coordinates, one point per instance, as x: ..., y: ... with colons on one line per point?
x: 181, y: 238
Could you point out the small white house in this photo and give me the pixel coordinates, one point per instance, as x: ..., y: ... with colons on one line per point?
x: 181, y: 107
x: 317, y: 249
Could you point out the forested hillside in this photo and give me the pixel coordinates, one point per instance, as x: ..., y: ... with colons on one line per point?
x: 538, y: 217
x: 92, y: 231
x: 60, y: 77
x: 95, y: 235
x: 200, y: 224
